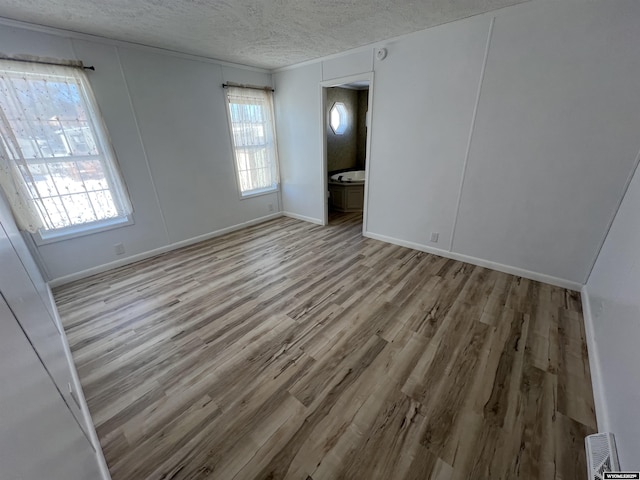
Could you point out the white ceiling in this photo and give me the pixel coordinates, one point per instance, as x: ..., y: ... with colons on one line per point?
x: 261, y: 33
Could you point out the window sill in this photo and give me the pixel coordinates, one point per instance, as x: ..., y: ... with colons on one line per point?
x: 257, y: 193
x: 81, y: 230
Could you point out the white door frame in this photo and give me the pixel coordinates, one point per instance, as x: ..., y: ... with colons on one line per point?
x: 336, y: 82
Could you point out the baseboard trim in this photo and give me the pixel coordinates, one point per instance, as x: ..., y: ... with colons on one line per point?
x: 304, y: 218
x: 77, y: 387
x: 599, y: 401
x: 540, y: 277
x: 56, y: 282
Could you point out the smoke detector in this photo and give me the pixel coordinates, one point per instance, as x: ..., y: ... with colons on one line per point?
x: 381, y: 53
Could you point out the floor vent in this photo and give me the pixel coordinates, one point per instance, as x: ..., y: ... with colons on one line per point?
x: 602, y: 455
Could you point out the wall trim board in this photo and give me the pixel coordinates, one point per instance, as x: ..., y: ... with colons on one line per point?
x: 472, y: 127
x: 142, y: 145
x: 599, y: 399
x: 60, y: 32
x: 615, y: 214
x: 56, y: 282
x: 77, y: 387
x: 539, y: 277
x: 304, y: 218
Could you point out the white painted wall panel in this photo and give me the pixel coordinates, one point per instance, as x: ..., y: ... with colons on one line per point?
x: 350, y: 64
x: 180, y: 106
x: 18, y: 41
x: 30, y: 300
x: 39, y: 437
x: 14, y: 236
x: 246, y: 76
x: 41, y: 329
x: 30, y: 308
x: 555, y: 137
x: 423, y: 100
x: 615, y: 307
x: 298, y: 117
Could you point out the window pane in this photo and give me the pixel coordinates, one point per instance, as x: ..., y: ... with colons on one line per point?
x: 56, y: 212
x: 67, y: 178
x: 103, y: 203
x: 93, y: 175
x: 79, y: 208
x: 242, y: 159
x: 44, y: 184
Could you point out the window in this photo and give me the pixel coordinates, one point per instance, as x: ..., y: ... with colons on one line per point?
x: 338, y: 118
x: 253, y: 136
x: 52, y: 140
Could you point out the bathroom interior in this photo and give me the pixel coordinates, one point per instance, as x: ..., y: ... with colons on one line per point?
x: 346, y: 147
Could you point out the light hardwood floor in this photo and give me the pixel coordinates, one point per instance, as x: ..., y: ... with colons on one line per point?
x: 290, y: 350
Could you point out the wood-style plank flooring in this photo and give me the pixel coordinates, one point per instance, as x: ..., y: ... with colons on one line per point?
x: 290, y: 350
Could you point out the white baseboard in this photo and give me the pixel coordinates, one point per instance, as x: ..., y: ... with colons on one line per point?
x: 77, y: 387
x: 304, y: 218
x: 594, y: 364
x: 540, y: 277
x: 56, y: 282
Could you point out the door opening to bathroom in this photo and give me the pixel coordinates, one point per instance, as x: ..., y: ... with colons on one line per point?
x: 346, y: 141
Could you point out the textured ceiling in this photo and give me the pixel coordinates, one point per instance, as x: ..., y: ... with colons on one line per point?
x: 261, y: 33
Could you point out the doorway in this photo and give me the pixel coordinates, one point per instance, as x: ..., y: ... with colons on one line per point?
x: 346, y: 139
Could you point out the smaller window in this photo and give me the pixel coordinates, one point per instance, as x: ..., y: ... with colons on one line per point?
x: 338, y: 118
x: 254, y: 140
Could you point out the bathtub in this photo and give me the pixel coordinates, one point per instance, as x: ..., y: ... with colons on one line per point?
x: 354, y: 176
x: 346, y: 191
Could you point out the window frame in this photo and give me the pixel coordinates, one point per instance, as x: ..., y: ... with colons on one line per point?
x: 106, y: 156
x: 81, y: 230
x: 234, y: 159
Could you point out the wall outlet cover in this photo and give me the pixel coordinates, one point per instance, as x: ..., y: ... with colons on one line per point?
x: 119, y: 248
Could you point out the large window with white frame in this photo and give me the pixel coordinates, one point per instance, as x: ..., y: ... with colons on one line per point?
x: 56, y: 159
x: 254, y: 143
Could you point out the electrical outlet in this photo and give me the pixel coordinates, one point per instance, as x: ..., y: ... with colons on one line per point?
x: 270, y: 207
x: 434, y: 237
x: 119, y: 248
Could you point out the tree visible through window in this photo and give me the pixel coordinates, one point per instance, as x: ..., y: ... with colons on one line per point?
x: 253, y: 136
x: 52, y: 139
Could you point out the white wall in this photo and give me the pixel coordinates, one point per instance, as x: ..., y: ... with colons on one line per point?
x: 614, y: 303
x: 41, y: 397
x: 167, y: 121
x: 530, y: 183
x: 555, y: 137
x: 39, y: 437
x: 424, y: 97
x: 298, y: 117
